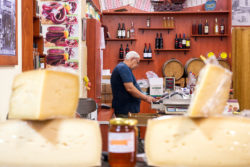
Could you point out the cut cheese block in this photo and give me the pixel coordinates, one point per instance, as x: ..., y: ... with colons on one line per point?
x: 198, y: 142
x: 58, y: 142
x: 44, y: 94
x: 211, y: 92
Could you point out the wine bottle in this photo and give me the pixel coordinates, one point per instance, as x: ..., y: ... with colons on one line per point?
x: 188, y: 43
x: 145, y: 52
x: 132, y: 30
x: 121, y: 53
x: 119, y: 31
x: 168, y: 22
x: 164, y: 22
x: 160, y: 41
x: 149, y: 52
x: 172, y: 22
x: 222, y: 27
x: 183, y: 41
x: 206, y: 28
x: 157, y: 41
x: 126, y: 50
x: 123, y: 31
x: 148, y: 22
x: 200, y: 28
x: 128, y: 33
x: 176, y: 46
x: 194, y: 28
x: 216, y: 27
x: 180, y: 42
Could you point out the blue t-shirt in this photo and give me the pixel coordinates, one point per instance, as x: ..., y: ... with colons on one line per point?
x: 123, y: 102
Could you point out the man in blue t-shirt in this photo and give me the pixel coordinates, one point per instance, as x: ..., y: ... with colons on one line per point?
x: 127, y: 94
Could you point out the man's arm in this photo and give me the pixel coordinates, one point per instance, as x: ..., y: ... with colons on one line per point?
x: 131, y: 89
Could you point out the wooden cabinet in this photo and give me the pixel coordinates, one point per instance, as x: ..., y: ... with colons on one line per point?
x: 31, y: 33
x: 93, y: 58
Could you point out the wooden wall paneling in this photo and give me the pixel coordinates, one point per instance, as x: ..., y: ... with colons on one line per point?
x: 27, y: 35
x: 93, y: 58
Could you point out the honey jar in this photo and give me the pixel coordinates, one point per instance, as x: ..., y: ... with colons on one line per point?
x: 122, y: 145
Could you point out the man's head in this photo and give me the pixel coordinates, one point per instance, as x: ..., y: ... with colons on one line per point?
x: 132, y: 59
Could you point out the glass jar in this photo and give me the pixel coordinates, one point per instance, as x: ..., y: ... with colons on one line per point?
x: 122, y: 137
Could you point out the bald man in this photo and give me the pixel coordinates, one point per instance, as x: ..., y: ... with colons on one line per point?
x: 127, y: 94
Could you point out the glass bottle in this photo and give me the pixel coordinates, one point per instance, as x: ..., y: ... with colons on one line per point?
x: 122, y: 137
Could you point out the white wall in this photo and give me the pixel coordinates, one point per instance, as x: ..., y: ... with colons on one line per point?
x: 7, y: 73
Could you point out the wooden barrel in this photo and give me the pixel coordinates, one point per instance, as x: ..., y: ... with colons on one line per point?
x: 173, y: 68
x: 194, y: 65
x: 225, y: 64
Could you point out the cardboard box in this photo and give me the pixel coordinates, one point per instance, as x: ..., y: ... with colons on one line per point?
x: 106, y: 89
x: 156, y: 86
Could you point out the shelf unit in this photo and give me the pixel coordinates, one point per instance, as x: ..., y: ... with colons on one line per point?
x: 37, y: 32
x: 171, y: 50
x: 209, y: 35
x: 141, y: 60
x: 156, y: 28
x: 121, y: 39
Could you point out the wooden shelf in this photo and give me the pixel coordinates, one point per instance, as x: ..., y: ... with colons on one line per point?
x: 121, y: 39
x: 170, y: 12
x: 156, y: 28
x: 209, y: 35
x: 141, y: 60
x: 171, y: 50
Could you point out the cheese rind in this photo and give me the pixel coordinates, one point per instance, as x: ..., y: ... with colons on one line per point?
x: 211, y: 92
x: 206, y: 142
x: 59, y: 142
x: 44, y: 94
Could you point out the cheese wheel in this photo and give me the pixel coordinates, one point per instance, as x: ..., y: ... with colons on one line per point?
x: 44, y: 94
x: 198, y: 142
x: 58, y: 142
x: 211, y: 92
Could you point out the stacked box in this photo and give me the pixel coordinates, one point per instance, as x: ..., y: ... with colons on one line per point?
x: 106, y: 93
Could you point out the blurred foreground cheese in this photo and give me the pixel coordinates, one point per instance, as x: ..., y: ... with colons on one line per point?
x: 198, y: 142
x: 59, y: 142
x: 211, y: 92
x: 44, y: 94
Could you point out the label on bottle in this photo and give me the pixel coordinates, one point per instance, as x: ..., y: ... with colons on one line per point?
x: 206, y: 30
x: 221, y: 28
x: 121, y: 142
x: 119, y: 33
x: 148, y: 23
x: 149, y: 55
x: 145, y: 55
x: 187, y: 44
x: 183, y: 42
x: 132, y: 30
x: 216, y: 29
x: 123, y: 33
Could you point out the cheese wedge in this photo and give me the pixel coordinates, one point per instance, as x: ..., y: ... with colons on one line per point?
x: 211, y: 92
x: 198, y: 142
x: 44, y: 94
x: 59, y: 142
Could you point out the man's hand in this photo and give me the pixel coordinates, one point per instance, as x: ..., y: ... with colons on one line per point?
x: 150, y: 99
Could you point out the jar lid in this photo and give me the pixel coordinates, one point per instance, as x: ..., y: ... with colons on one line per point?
x: 123, y: 121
